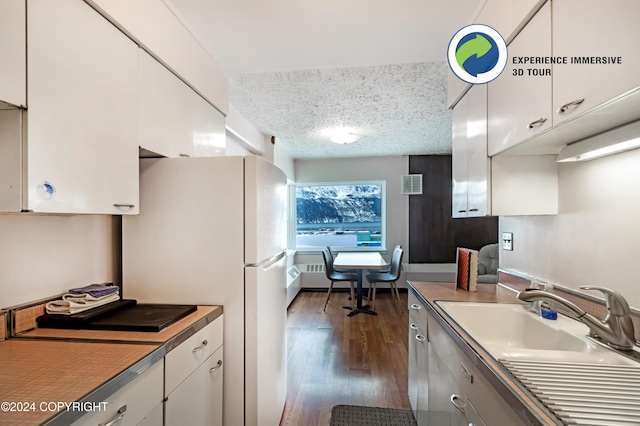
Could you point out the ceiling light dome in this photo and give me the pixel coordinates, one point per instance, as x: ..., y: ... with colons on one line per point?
x: 344, y: 138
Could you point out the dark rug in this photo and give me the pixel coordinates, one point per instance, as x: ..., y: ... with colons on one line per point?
x: 354, y: 415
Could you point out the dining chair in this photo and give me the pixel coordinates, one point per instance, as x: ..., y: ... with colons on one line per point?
x: 335, y: 276
x: 391, y: 276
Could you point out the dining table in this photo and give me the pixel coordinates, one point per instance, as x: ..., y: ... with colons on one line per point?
x: 360, y: 261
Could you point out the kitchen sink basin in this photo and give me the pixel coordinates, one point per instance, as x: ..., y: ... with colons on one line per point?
x: 511, y: 331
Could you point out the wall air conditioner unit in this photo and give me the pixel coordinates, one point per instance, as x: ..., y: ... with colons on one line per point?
x: 411, y: 184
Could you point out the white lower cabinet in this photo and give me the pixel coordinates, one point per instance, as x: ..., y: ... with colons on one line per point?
x: 198, y: 400
x: 193, y: 379
x: 418, y: 359
x: 138, y: 400
x: 458, y: 392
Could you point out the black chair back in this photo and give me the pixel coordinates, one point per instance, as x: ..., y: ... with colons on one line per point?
x: 328, y: 262
x: 396, y: 262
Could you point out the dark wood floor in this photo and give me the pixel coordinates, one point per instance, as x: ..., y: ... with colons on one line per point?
x: 335, y: 359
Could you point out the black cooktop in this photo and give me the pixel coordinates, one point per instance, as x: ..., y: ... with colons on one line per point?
x: 123, y: 315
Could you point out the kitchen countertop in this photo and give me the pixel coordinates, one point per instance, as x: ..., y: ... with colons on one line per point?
x: 524, y: 404
x: 53, y: 365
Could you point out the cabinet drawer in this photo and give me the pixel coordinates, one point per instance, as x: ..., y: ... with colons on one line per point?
x: 183, y: 360
x: 417, y: 311
x: 140, y: 397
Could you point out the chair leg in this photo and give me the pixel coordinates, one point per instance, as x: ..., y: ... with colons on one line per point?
x: 373, y: 299
x: 353, y: 294
x: 328, y: 295
x: 396, y: 295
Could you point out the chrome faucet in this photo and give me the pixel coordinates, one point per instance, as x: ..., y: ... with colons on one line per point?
x: 616, y: 329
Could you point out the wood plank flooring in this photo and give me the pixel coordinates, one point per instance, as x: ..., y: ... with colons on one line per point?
x: 335, y: 359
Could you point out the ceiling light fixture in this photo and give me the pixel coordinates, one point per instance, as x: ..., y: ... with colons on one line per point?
x: 620, y: 139
x: 344, y: 138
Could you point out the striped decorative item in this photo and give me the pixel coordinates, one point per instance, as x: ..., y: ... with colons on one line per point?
x: 466, y: 269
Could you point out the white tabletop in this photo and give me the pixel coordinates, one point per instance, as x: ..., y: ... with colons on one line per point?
x: 359, y: 260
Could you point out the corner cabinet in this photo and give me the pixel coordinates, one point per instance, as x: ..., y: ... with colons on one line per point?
x: 500, y: 185
x: 81, y: 139
x: 470, y: 167
x: 193, y: 379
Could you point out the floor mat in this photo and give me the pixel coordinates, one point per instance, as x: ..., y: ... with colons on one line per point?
x: 355, y: 415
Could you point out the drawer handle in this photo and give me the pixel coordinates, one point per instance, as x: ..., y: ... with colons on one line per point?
x: 119, y: 415
x: 413, y: 326
x: 124, y: 205
x: 416, y: 306
x: 201, y: 347
x: 536, y: 123
x: 420, y: 338
x: 458, y: 403
x: 566, y: 107
x: 184, y: 155
x: 218, y: 365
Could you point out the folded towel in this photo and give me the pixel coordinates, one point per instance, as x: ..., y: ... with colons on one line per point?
x: 96, y: 290
x: 75, y: 303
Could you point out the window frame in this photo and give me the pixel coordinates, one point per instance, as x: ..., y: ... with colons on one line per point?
x: 293, y: 223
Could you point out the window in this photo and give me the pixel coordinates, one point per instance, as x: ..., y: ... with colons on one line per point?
x: 348, y: 215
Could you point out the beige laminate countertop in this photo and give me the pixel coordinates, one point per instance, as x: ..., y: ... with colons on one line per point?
x: 45, y: 365
x: 528, y: 409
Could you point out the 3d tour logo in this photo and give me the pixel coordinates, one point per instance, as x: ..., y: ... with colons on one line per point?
x: 477, y: 54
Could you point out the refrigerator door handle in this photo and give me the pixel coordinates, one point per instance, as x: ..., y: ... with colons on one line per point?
x: 266, y: 264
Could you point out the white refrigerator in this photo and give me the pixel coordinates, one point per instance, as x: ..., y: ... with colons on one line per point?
x: 213, y: 231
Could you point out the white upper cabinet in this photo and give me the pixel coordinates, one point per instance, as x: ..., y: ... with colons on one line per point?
x: 505, y: 16
x: 82, y: 139
x: 13, y: 52
x: 174, y: 120
x: 519, y: 100
x: 471, y: 166
x: 595, y: 29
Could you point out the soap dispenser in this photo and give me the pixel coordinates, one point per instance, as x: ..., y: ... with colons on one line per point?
x: 547, y: 311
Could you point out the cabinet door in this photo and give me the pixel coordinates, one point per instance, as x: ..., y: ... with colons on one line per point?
x: 478, y: 200
x: 13, y: 88
x: 82, y: 117
x: 164, y: 110
x: 459, y: 159
x: 198, y: 400
x: 519, y: 103
x: 441, y: 390
x: 422, y: 355
x: 413, y: 367
x: 593, y: 28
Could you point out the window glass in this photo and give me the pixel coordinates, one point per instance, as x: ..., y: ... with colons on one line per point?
x: 341, y: 215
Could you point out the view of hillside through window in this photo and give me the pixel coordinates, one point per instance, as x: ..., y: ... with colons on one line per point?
x: 339, y: 215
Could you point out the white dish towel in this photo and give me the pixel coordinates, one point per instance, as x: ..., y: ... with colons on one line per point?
x: 74, y: 303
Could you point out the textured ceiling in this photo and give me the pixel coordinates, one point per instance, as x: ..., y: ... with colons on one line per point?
x: 298, y: 68
x: 396, y: 109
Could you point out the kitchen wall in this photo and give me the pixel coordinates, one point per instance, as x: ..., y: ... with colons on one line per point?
x: 594, y: 238
x: 42, y: 256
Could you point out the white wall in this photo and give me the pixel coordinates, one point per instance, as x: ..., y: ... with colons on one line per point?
x: 594, y: 238
x: 42, y: 256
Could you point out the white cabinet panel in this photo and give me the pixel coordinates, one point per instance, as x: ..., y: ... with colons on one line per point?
x: 519, y: 104
x: 13, y: 66
x: 138, y: 397
x: 183, y: 360
x: 198, y: 400
x: 174, y: 120
x: 470, y: 167
x: 593, y: 28
x: 82, y: 126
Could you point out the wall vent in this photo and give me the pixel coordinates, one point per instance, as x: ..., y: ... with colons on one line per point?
x: 314, y: 268
x: 293, y: 272
x: 412, y: 184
